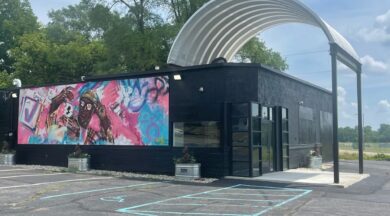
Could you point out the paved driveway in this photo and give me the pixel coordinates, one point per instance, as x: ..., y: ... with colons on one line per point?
x: 38, y: 192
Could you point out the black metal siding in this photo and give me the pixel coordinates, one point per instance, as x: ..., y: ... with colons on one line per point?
x: 279, y: 90
x: 222, y: 84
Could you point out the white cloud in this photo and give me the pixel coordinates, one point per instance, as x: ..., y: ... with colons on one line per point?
x: 380, y: 32
x: 377, y: 34
x: 342, y: 95
x: 384, y: 18
x: 384, y: 106
x: 372, y: 65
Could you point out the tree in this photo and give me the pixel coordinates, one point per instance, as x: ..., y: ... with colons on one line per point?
x: 370, y: 135
x: 384, y: 133
x: 16, y: 19
x: 137, y: 39
x: 255, y: 51
x: 5, y: 80
x: 182, y: 10
x: 73, y: 20
x: 347, y: 134
x: 39, y: 60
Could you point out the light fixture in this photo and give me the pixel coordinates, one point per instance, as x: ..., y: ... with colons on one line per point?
x: 177, y: 77
x: 156, y: 67
x: 17, y: 83
x: 201, y: 89
x: 14, y: 95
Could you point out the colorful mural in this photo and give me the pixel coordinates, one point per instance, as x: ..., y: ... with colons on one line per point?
x: 119, y: 112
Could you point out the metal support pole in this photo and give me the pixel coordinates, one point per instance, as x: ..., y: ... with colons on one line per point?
x: 360, y: 119
x: 335, y: 116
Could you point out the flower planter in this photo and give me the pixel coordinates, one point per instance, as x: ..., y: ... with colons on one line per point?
x: 187, y: 171
x: 78, y: 164
x: 7, y: 159
x: 315, y: 162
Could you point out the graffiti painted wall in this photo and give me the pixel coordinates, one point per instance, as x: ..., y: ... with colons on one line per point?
x: 119, y: 112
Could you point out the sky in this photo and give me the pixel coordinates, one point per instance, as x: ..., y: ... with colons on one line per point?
x: 364, y: 23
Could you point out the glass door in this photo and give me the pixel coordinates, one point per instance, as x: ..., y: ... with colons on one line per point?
x: 285, y: 140
x: 246, y: 133
x: 241, y: 159
x: 267, y: 140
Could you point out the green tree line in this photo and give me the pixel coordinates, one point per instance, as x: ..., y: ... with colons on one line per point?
x: 382, y: 135
x: 97, y: 37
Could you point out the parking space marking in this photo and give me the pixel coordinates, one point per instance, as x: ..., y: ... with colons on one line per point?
x: 98, y: 190
x: 283, y: 203
x: 199, y: 204
x: 181, y: 213
x: 11, y: 170
x: 249, y: 200
x: 126, y: 210
x: 243, y: 194
x: 286, y: 195
x: 55, y: 182
x: 18, y: 176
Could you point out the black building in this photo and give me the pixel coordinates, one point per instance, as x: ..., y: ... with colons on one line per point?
x: 237, y: 119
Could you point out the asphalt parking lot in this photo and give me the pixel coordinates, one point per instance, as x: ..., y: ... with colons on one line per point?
x: 38, y: 192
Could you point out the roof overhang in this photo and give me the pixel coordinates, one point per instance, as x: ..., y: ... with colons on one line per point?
x: 221, y: 27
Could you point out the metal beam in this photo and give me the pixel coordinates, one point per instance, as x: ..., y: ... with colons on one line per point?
x: 360, y: 119
x: 336, y: 172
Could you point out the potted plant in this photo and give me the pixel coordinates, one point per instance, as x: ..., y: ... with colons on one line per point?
x: 186, y: 167
x: 7, y: 155
x: 315, y: 159
x: 78, y: 160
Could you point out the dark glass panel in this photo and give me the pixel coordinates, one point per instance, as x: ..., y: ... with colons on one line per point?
x: 241, y: 169
x: 196, y: 134
x: 240, y: 139
x: 240, y: 109
x: 240, y: 124
x: 256, y: 124
x: 240, y: 154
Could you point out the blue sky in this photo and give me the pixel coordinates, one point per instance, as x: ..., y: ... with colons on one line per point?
x: 365, y: 24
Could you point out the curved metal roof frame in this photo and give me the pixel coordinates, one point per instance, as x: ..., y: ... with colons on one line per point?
x: 221, y: 27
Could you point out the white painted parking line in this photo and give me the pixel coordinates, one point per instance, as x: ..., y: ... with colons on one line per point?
x: 98, y: 190
x: 54, y: 182
x: 14, y: 170
x: 19, y: 176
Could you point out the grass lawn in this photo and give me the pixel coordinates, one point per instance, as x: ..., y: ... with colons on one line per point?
x: 372, y: 151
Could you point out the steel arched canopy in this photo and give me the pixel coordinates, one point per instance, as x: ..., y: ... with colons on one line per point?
x: 221, y: 27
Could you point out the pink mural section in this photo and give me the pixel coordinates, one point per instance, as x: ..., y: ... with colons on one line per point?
x: 118, y: 112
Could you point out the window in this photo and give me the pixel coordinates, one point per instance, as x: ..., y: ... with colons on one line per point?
x: 307, y: 126
x: 196, y: 134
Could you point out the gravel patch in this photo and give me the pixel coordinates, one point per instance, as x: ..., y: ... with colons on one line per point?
x: 118, y: 174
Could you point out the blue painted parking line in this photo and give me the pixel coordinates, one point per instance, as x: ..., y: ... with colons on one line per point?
x: 130, y: 209
x: 249, y: 206
x: 248, y: 200
x: 98, y: 190
x: 283, y: 203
